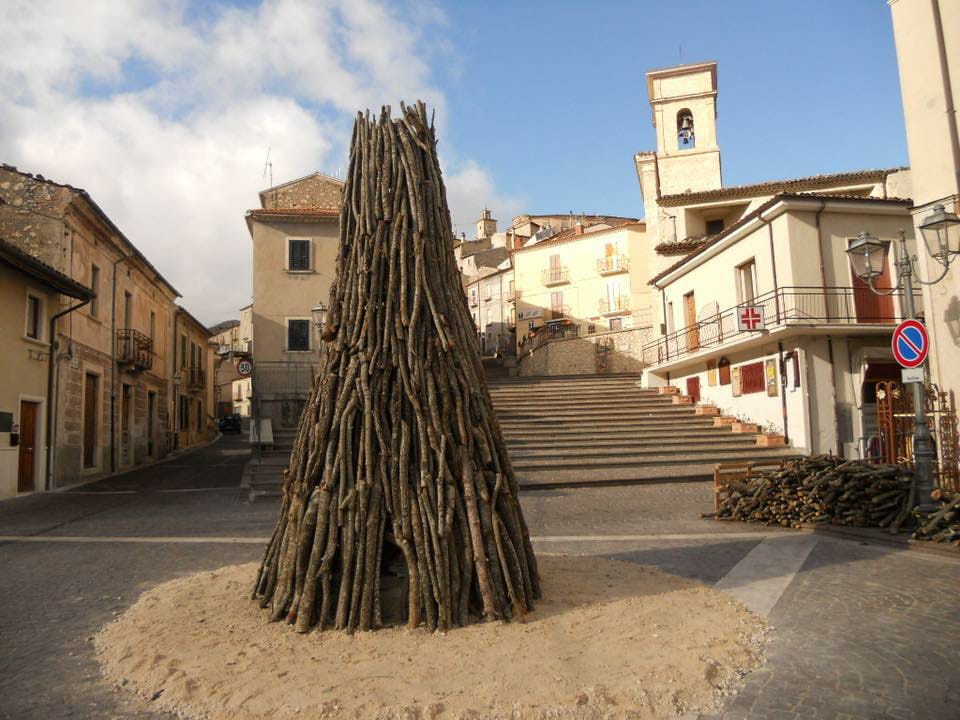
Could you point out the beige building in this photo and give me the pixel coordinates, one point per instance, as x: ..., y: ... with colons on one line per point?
x: 295, y: 236
x: 225, y: 338
x: 30, y: 293
x: 193, y: 381
x: 758, y: 310
x: 580, y: 282
x: 927, y: 34
x: 490, y: 298
x: 111, y: 399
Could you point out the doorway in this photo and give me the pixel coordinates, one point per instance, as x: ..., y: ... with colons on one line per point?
x: 693, y: 331
x: 91, y: 392
x: 870, y: 307
x: 151, y: 423
x: 26, y: 472
x: 693, y: 388
x: 126, y: 436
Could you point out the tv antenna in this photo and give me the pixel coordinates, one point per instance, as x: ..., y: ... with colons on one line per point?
x: 268, y: 168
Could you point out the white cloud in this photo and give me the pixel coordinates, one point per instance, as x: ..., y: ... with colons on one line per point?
x: 167, y: 122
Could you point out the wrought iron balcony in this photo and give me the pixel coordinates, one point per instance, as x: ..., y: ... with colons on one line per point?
x: 134, y: 350
x: 196, y: 377
x: 616, y: 304
x: 474, y: 300
x: 612, y: 264
x: 555, y: 275
x: 798, y: 306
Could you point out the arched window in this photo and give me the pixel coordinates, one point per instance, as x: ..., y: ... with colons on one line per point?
x: 686, y: 140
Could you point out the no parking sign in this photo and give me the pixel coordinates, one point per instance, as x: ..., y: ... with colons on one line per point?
x: 910, y: 344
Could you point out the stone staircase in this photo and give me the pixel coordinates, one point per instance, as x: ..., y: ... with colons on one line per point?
x: 585, y: 430
x: 605, y: 430
x: 263, y: 475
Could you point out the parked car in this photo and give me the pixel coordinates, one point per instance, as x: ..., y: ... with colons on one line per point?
x: 230, y: 423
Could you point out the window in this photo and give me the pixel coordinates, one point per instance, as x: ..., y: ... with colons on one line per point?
x: 127, y: 303
x: 747, y: 281
x: 199, y: 415
x: 714, y: 226
x: 556, y: 304
x: 511, y: 291
x: 489, y: 317
x: 34, y: 322
x: 473, y: 295
x: 686, y: 140
x: 183, y: 351
x: 184, y: 412
x: 298, y: 335
x: 298, y: 255
x: 193, y: 355
x: 153, y: 327
x: 487, y: 292
x: 616, y: 323
x: 95, y: 286
x: 670, y: 325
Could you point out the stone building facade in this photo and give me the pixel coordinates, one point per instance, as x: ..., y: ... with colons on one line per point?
x: 111, y: 403
x: 295, y: 235
x: 193, y: 381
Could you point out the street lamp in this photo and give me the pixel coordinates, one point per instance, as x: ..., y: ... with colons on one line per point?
x: 941, y: 233
x: 319, y: 313
x: 868, y: 258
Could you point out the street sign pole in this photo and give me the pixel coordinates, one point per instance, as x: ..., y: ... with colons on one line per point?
x: 922, y: 448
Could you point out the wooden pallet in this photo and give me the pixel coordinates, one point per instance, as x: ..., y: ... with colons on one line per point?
x: 724, y: 473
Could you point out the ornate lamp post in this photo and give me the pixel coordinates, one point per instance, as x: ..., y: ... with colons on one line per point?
x: 319, y: 314
x: 868, y: 258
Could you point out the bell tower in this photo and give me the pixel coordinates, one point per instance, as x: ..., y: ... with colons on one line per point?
x: 486, y: 225
x: 684, y: 104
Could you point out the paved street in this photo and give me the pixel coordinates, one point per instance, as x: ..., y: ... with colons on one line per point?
x: 861, y: 631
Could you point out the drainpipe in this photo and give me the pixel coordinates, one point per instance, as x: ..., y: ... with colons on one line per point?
x: 773, y: 262
x: 113, y: 364
x: 51, y: 399
x: 783, y: 393
x: 823, y: 268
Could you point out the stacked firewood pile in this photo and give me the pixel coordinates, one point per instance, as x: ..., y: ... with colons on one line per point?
x: 823, y: 488
x: 941, y: 525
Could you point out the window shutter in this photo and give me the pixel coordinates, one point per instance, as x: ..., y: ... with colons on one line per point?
x: 298, y: 335
x: 299, y: 255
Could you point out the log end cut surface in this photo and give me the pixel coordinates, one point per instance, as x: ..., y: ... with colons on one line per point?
x: 611, y: 639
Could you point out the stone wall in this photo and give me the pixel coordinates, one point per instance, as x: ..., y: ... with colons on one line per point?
x: 619, y: 353
x: 315, y: 191
x: 31, y: 212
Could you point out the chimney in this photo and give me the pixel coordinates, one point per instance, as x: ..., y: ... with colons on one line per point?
x: 578, y: 228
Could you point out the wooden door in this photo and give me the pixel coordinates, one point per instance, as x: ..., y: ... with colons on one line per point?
x: 690, y: 310
x: 151, y: 410
x: 126, y: 435
x: 693, y: 388
x: 28, y: 446
x: 870, y: 307
x: 90, y: 393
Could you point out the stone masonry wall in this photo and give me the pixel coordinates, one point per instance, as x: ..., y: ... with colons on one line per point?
x: 311, y: 192
x: 31, y: 213
x: 579, y: 355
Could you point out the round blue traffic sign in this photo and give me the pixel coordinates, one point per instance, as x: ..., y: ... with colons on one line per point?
x: 910, y: 343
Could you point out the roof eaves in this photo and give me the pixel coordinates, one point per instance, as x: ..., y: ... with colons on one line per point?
x: 36, y: 268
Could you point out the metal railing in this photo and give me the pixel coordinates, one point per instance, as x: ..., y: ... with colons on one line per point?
x: 287, y: 379
x: 555, y: 275
x: 786, y: 306
x: 619, y: 303
x: 134, y: 349
x: 196, y: 377
x: 613, y: 264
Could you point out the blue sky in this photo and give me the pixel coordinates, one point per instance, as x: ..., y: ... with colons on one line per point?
x: 164, y: 109
x: 551, y: 97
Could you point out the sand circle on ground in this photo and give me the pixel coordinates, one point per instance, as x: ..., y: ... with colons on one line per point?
x: 610, y: 639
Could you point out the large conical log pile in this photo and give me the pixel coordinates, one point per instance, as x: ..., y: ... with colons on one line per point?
x: 399, y: 461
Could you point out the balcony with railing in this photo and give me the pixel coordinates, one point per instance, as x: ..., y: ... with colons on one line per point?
x: 788, y: 306
x: 612, y: 264
x: 474, y: 300
x: 615, y: 305
x: 196, y: 377
x: 555, y: 275
x: 559, y: 312
x: 134, y: 350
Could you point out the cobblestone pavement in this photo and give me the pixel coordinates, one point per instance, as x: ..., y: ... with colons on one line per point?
x: 861, y: 631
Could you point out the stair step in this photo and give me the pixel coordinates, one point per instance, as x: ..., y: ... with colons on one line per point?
x: 614, y: 445
x: 633, y: 459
